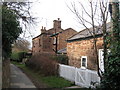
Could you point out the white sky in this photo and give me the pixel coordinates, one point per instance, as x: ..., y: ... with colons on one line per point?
x: 49, y: 10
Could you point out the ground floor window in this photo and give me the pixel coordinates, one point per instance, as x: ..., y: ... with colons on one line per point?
x: 84, y: 62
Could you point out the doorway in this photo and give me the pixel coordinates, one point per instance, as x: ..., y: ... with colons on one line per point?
x: 101, y: 60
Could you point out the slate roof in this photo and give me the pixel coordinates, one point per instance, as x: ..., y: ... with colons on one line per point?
x: 51, y: 32
x: 62, y: 50
x: 54, y: 34
x: 88, y: 33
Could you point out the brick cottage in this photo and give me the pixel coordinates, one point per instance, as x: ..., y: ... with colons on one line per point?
x: 46, y: 42
x: 81, y: 52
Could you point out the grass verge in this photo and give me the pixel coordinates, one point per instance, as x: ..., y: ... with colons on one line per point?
x: 49, y: 81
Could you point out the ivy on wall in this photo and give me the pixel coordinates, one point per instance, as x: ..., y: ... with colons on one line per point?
x: 112, y: 74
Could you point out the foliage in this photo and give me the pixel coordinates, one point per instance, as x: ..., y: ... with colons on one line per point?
x: 43, y: 64
x: 14, y: 56
x: 10, y: 30
x: 12, y: 14
x: 18, y: 56
x: 112, y: 73
x: 112, y: 69
x: 63, y: 59
x: 21, y: 9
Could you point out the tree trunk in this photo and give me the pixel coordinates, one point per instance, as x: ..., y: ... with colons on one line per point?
x: 97, y: 59
x: 104, y: 45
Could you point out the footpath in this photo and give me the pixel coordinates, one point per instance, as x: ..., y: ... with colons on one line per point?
x: 18, y: 79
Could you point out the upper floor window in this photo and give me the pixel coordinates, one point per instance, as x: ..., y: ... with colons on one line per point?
x: 84, y: 62
x: 54, y: 40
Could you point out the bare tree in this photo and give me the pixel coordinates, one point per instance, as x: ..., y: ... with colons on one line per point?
x: 21, y: 45
x: 98, y: 16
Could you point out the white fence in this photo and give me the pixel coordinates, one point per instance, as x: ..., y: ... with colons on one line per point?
x: 81, y: 77
x: 67, y: 72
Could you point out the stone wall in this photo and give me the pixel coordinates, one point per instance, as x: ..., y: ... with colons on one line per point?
x: 76, y: 49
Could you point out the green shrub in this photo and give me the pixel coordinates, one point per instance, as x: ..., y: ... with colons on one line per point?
x: 112, y: 64
x: 63, y: 59
x: 18, y: 56
x: 14, y: 56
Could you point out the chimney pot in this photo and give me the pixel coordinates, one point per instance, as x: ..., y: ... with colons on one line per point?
x: 44, y: 28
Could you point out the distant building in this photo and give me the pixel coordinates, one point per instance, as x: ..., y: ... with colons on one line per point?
x: 46, y: 42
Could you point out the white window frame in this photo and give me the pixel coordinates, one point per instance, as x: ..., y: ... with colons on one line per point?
x: 84, y: 67
x: 101, y: 57
x: 54, y: 40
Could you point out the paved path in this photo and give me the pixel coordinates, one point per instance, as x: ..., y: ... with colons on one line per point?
x: 19, y: 79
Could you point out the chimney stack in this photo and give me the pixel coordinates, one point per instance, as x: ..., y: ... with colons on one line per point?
x: 57, y: 24
x: 43, y: 30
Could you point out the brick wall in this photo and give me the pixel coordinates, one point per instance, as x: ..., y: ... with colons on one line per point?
x: 76, y: 49
x: 44, y: 43
x: 64, y: 36
x: 35, y: 45
x: 47, y: 44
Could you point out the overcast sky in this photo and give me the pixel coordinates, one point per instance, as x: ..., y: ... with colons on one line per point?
x: 48, y: 10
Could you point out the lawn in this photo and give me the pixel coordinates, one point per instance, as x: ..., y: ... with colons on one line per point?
x: 50, y: 81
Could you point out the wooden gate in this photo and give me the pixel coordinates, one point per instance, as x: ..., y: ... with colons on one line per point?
x: 81, y: 77
x: 86, y: 78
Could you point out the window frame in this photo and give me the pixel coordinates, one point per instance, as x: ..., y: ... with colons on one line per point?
x: 84, y: 67
x: 54, y: 40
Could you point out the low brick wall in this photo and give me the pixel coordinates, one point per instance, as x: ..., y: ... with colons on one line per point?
x: 5, y: 73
